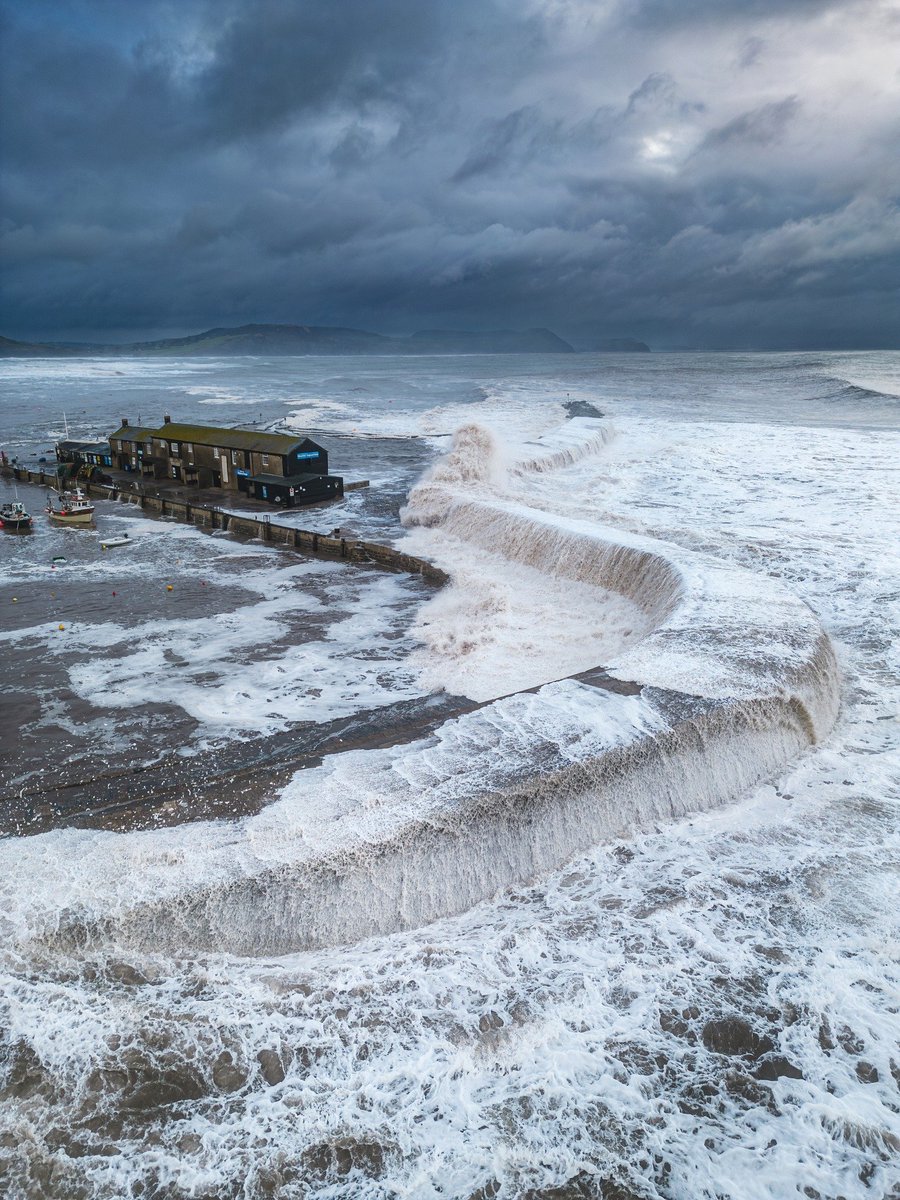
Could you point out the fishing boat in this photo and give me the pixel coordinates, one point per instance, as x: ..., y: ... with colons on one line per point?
x: 70, y: 508
x: 14, y: 516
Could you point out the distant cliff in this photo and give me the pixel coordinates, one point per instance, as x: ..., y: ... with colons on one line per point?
x: 589, y: 340
x: 305, y: 339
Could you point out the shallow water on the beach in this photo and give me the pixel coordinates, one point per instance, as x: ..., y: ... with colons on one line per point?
x: 708, y: 1009
x: 180, y: 641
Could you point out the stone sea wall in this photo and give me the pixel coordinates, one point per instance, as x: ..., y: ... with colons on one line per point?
x: 250, y: 525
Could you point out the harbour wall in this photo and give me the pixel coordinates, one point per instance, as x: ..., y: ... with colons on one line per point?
x: 247, y: 525
x: 374, y: 841
x: 735, y: 679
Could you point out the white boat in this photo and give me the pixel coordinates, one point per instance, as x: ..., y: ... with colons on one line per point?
x: 124, y: 540
x: 14, y: 516
x: 70, y: 508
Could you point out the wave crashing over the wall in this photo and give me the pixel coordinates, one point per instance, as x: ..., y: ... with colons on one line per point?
x: 730, y: 678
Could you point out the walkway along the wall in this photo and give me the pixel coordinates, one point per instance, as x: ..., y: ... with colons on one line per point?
x: 211, y: 518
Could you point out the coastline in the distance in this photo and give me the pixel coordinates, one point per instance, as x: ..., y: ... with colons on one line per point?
x: 324, y: 339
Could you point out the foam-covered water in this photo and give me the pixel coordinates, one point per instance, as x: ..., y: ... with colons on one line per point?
x: 707, y: 1008
x: 183, y: 641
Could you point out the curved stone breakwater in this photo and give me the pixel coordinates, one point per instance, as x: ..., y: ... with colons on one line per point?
x: 734, y: 679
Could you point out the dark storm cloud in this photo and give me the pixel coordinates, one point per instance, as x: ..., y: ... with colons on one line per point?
x: 275, y: 59
x: 725, y: 173
x: 762, y: 125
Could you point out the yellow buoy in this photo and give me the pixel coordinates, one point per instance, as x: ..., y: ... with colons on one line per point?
x: 168, y: 587
x: 62, y: 627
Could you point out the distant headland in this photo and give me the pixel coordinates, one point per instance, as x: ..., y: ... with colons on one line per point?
x: 321, y: 339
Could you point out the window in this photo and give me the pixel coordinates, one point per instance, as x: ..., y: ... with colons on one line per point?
x: 265, y: 460
x: 174, y: 472
x: 173, y: 449
x: 189, y: 447
x: 234, y: 458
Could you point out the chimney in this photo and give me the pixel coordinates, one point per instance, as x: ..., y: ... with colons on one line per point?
x: 167, y: 419
x: 124, y: 422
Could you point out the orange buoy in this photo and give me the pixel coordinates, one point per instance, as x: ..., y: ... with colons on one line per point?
x: 168, y: 587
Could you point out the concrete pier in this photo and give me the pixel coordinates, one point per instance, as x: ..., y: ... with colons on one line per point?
x: 248, y: 525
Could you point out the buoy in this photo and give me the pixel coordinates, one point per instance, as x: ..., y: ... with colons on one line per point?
x: 114, y: 593
x: 15, y: 599
x: 62, y: 627
x: 168, y: 587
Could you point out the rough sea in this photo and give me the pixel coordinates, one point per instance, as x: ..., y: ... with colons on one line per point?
x: 707, y: 1009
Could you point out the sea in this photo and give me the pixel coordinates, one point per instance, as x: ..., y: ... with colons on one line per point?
x: 705, y: 1008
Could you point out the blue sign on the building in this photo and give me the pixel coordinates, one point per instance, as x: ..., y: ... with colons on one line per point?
x: 241, y: 471
x: 307, y: 454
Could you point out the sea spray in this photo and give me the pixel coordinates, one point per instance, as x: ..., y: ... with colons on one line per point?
x: 504, y: 817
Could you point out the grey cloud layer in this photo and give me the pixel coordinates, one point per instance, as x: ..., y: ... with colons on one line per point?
x: 695, y: 173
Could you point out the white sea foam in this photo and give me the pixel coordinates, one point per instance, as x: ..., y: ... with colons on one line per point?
x: 516, y: 413
x: 211, y: 394
x: 311, y: 641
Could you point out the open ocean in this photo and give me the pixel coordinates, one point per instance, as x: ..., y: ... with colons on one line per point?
x: 559, y: 1041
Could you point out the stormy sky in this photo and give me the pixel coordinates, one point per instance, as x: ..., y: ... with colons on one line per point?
x: 710, y: 173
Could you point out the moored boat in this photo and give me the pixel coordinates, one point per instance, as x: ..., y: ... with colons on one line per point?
x: 14, y: 516
x: 109, y: 543
x: 70, y: 508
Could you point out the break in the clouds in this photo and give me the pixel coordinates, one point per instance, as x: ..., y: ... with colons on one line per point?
x: 693, y: 172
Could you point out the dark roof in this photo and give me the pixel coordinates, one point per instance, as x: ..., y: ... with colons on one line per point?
x: 129, y: 433
x: 72, y: 445
x: 231, y: 439
x: 289, y: 480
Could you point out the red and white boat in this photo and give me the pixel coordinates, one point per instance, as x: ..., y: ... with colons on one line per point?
x: 70, y: 508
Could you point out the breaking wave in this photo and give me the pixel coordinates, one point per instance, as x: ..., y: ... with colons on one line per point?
x: 855, y: 391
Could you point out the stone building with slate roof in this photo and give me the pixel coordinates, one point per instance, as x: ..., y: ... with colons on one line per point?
x: 268, y: 466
